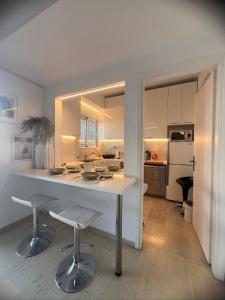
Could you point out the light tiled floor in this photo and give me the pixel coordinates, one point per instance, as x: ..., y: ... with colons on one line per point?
x: 170, y: 266
x: 166, y: 228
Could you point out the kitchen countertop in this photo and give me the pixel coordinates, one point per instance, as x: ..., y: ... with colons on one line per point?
x: 156, y: 162
x: 119, y: 184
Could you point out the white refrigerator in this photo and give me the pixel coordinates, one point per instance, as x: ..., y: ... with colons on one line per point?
x: 179, y: 165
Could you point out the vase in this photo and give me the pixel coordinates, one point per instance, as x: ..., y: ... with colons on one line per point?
x: 39, y: 156
x: 48, y: 150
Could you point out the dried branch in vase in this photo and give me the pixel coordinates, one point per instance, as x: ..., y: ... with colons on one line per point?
x: 41, y: 127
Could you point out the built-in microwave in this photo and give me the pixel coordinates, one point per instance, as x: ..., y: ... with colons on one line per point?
x: 183, y: 135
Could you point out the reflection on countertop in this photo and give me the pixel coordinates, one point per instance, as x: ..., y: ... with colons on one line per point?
x: 155, y: 162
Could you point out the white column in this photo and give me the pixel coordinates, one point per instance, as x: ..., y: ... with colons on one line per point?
x: 133, y: 146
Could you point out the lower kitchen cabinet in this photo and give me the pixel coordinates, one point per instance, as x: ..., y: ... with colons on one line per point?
x: 155, y: 177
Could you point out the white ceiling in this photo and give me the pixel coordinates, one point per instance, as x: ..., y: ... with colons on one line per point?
x: 14, y: 14
x: 73, y: 37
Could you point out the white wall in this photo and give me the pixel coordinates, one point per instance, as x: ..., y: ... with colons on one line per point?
x: 133, y: 141
x: 134, y: 74
x: 202, y: 76
x: 30, y: 102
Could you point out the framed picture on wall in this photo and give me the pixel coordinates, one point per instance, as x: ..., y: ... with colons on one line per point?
x: 8, y: 107
x: 22, y: 148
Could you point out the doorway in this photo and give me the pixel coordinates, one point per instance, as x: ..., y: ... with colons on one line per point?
x: 173, y: 136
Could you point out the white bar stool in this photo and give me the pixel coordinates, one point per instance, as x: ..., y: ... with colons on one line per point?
x: 145, y: 187
x: 76, y: 271
x: 37, y: 242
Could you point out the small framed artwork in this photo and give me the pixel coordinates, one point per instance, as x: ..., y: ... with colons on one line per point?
x: 8, y: 107
x: 22, y: 148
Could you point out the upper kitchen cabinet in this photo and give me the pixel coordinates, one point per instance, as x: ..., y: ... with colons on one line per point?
x: 114, y: 117
x: 188, y: 92
x: 149, y: 116
x: 174, y: 104
x: 155, y: 113
x: 181, y: 103
x: 71, y: 111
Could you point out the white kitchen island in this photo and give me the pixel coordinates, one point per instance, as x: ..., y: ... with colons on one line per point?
x: 118, y: 185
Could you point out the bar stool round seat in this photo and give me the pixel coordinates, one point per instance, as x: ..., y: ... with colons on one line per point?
x: 38, y: 241
x: 77, y: 270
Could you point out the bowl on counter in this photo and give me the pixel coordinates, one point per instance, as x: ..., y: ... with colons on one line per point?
x: 100, y: 169
x: 106, y: 175
x: 73, y: 169
x: 114, y: 168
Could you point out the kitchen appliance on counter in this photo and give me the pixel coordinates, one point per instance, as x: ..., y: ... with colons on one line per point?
x: 180, y: 159
x: 108, y: 155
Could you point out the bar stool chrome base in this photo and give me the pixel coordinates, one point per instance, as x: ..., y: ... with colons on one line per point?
x: 72, y: 277
x: 32, y: 246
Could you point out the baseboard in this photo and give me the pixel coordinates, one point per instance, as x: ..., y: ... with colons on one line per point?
x: 99, y: 231
x: 112, y: 236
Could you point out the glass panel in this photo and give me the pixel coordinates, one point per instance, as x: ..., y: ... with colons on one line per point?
x: 92, y: 135
x: 83, y: 131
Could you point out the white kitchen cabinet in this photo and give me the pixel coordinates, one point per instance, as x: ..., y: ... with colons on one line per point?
x: 149, y: 115
x: 181, y: 102
x: 71, y: 117
x: 155, y: 113
x: 174, y: 105
x: 188, y: 92
x: 114, y: 117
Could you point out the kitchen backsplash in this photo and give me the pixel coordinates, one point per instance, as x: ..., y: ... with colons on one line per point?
x: 71, y: 149
x: 158, y: 146
x: 112, y: 147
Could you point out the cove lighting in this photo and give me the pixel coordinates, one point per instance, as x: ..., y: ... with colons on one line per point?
x: 112, y: 140
x: 89, y: 106
x: 69, y: 96
x: 69, y: 137
x: 156, y: 140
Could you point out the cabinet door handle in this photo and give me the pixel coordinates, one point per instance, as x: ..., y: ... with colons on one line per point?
x: 194, y: 162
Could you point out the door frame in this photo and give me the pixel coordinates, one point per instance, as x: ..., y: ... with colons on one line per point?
x: 216, y: 62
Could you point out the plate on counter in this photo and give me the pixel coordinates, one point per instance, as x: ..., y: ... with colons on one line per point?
x: 56, y: 171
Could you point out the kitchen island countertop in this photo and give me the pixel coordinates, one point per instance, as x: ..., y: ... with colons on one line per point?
x: 119, y: 184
